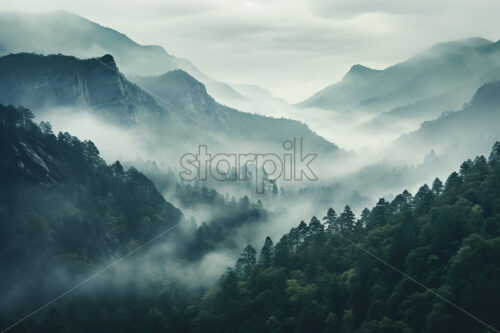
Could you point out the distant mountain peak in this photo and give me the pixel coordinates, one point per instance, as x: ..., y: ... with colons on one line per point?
x: 360, y: 72
x: 451, y: 68
x: 182, y: 77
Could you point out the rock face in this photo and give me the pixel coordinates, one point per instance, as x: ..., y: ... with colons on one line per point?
x: 179, y: 90
x: 89, y: 39
x: 41, y: 82
x: 170, y: 105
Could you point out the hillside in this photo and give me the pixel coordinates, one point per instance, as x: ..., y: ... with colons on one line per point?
x: 189, y: 96
x: 422, y: 263
x: 43, y: 82
x: 470, y: 128
x: 60, y: 200
x: 70, y: 34
x: 449, y: 73
x: 175, y: 101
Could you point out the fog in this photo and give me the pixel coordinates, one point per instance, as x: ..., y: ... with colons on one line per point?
x: 387, y: 136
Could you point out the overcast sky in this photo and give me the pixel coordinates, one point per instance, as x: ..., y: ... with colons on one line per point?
x: 291, y: 47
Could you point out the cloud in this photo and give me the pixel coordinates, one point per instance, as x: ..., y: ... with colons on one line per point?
x: 291, y: 47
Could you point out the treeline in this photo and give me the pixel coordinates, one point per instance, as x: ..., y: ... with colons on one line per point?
x: 339, y: 273
x: 325, y: 277
x: 62, y: 206
x: 63, y: 209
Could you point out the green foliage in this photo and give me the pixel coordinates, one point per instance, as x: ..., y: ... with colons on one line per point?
x: 446, y: 237
x: 314, y: 279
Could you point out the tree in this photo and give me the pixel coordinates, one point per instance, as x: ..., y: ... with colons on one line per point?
x: 329, y: 219
x: 282, y: 251
x: 315, y: 230
x: 423, y: 199
x: 266, y: 253
x: 246, y: 262
x: 46, y: 128
x: 346, y: 221
x: 117, y: 170
x: 379, y: 215
x: 465, y: 167
x: 437, y: 186
x: 26, y: 117
x: 495, y: 153
x: 91, y: 152
x: 453, y: 182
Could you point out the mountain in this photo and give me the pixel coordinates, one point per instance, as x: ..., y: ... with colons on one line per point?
x: 341, y: 93
x: 182, y: 91
x: 41, y: 82
x: 419, y: 263
x: 408, y: 117
x: 177, y: 89
x: 475, y: 126
x: 70, y: 34
x: 448, y: 73
x: 175, y: 101
x: 416, y: 264
x: 60, y: 201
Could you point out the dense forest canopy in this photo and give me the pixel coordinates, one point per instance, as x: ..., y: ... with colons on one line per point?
x: 336, y: 273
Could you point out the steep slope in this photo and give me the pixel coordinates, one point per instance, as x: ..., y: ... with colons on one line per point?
x: 449, y: 71
x: 351, y: 275
x: 475, y: 126
x: 420, y: 263
x: 60, y: 201
x: 343, y: 92
x: 166, y: 107
x: 67, y: 33
x: 179, y: 89
x: 41, y: 82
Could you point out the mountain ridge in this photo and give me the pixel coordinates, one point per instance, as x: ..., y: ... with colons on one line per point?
x: 68, y: 33
x: 434, y: 71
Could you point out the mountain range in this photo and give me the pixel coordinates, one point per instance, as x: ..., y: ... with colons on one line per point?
x: 438, y: 79
x: 474, y: 126
x: 172, y: 100
x: 70, y: 34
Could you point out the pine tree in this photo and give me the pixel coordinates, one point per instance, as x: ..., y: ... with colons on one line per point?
x: 246, y: 262
x: 379, y: 214
x: 316, y: 230
x: 437, y: 186
x: 46, y: 128
x: 346, y: 221
x: 495, y: 153
x: 282, y: 251
x: 423, y: 199
x: 267, y: 252
x: 329, y: 219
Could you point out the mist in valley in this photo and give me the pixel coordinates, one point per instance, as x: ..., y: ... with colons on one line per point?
x: 133, y: 114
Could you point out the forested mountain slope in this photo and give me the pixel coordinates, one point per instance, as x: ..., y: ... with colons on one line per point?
x: 62, y: 207
x: 341, y: 273
x: 331, y: 277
